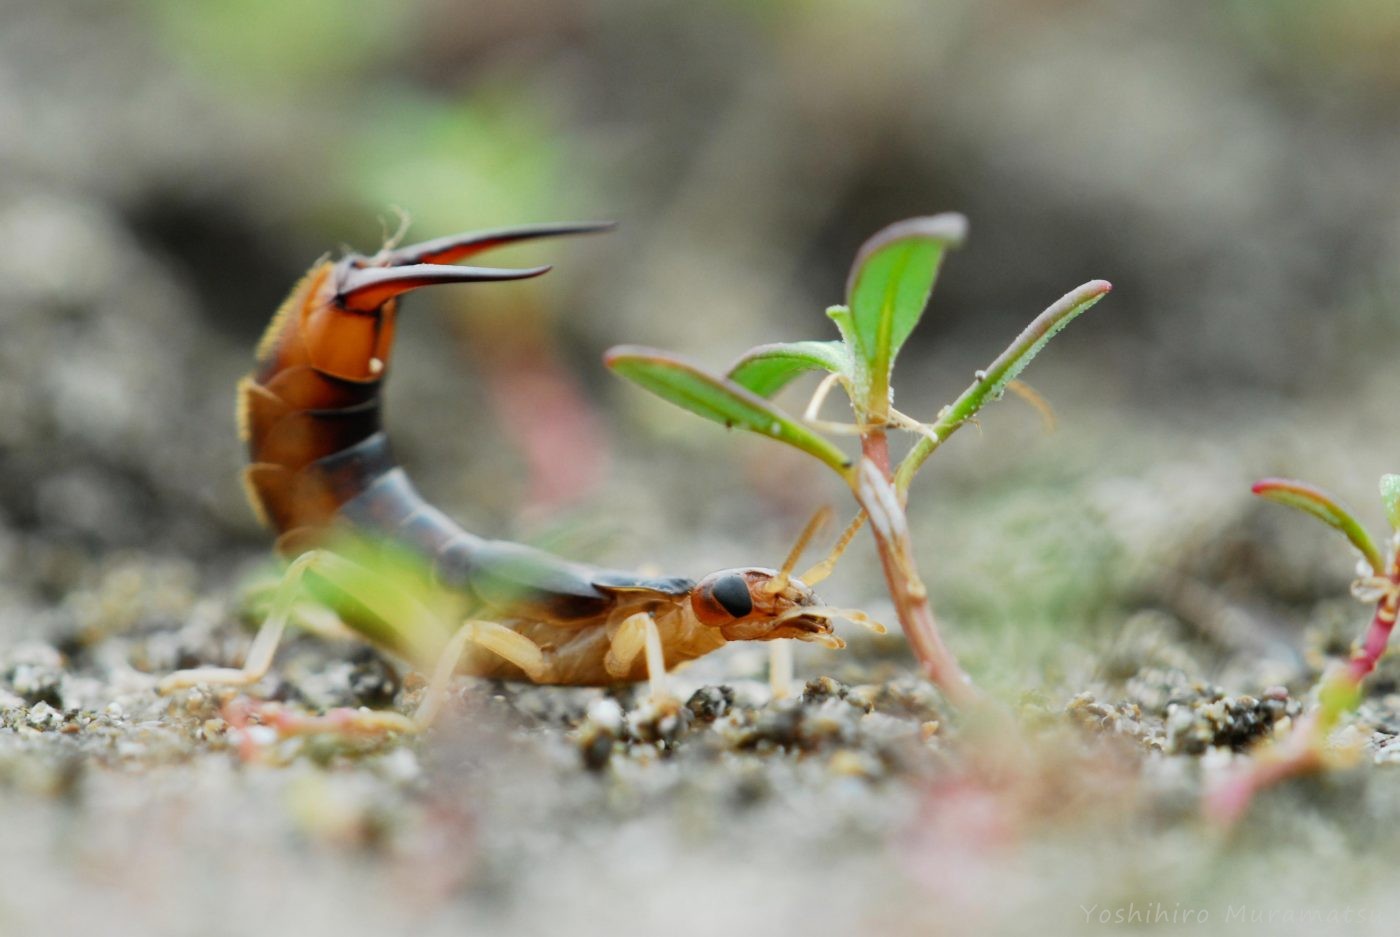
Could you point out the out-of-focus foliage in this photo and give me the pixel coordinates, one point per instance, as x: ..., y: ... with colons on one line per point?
x: 256, y: 49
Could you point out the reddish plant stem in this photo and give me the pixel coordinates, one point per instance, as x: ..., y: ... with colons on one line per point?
x: 875, y: 446
x: 891, y: 530
x: 1382, y: 623
x: 1300, y: 753
x: 1303, y: 751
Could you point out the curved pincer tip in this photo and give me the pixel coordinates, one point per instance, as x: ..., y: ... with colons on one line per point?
x: 456, y: 247
x: 365, y: 289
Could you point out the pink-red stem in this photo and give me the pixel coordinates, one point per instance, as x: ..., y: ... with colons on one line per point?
x: 910, y: 597
x: 1382, y: 623
x: 1303, y: 751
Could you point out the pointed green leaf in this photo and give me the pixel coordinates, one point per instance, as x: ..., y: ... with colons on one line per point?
x: 767, y: 369
x: 888, y: 288
x: 1390, y: 495
x: 841, y: 315
x: 1037, y: 335
x: 991, y: 383
x: 1326, y: 508
x: 689, y: 386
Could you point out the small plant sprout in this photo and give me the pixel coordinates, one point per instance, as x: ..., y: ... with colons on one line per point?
x: 888, y: 287
x: 1305, y: 749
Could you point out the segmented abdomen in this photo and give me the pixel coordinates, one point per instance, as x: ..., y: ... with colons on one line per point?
x: 305, y: 425
x: 310, y: 414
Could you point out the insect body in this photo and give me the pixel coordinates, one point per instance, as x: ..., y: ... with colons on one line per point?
x: 321, y: 470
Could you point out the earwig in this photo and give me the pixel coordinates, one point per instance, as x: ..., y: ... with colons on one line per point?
x: 322, y: 474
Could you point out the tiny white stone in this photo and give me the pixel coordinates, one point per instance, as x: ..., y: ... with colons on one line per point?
x: 606, y: 714
x: 401, y: 765
x: 261, y: 735
x: 42, y: 714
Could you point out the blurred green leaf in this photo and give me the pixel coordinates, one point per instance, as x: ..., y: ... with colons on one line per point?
x: 1325, y: 507
x: 492, y: 159
x: 888, y: 288
x: 716, y: 398
x: 254, y: 46
x: 1390, y: 495
x: 1337, y: 697
x: 767, y: 369
x: 386, y: 593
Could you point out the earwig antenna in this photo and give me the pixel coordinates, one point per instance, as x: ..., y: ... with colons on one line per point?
x: 818, y: 521
x: 1033, y: 397
x: 823, y: 569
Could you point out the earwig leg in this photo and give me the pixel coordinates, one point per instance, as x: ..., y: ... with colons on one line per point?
x: 259, y: 659
x: 838, y: 429
x: 780, y: 669
x: 636, y: 635
x: 494, y: 637
x: 819, y: 572
x: 812, y: 415
x: 656, y: 661
x: 905, y: 421
x: 627, y: 642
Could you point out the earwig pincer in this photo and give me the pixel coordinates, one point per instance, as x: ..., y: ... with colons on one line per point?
x: 321, y: 474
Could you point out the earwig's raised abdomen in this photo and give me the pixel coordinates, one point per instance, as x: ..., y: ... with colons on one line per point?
x: 310, y: 414
x: 313, y: 397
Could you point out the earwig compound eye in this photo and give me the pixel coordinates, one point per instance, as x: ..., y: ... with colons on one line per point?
x: 732, y: 592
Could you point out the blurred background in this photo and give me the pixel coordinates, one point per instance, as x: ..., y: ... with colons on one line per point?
x: 168, y: 170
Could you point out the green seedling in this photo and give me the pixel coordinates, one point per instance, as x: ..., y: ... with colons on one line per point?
x: 886, y: 293
x: 1305, y: 749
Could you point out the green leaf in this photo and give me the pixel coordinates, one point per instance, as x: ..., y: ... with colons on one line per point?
x: 991, y: 383
x: 1037, y: 335
x: 690, y: 387
x: 888, y: 288
x: 1337, y: 697
x: 767, y: 369
x: 841, y: 315
x: 1326, y: 508
x: 1390, y: 495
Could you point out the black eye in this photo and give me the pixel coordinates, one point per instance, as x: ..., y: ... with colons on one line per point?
x: 733, y: 593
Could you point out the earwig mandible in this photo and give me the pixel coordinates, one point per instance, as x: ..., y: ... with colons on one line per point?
x: 320, y: 464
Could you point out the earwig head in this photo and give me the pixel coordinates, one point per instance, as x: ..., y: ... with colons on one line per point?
x: 755, y: 604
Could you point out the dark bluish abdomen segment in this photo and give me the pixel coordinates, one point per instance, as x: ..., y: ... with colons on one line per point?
x: 389, y: 507
x: 506, y: 579
x: 350, y: 472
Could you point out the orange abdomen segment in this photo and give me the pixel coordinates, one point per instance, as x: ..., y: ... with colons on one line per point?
x: 314, y: 394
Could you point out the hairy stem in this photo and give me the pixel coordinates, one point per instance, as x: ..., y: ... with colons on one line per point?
x: 1377, y: 636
